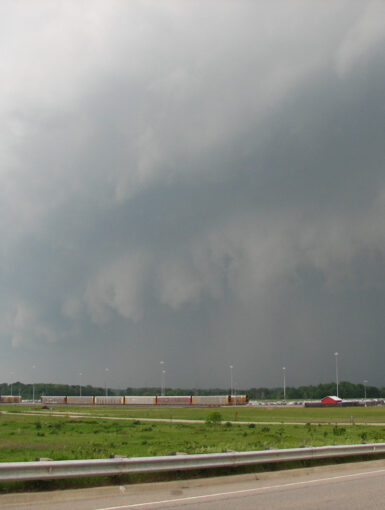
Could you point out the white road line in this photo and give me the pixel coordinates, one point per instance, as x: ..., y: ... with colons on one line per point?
x: 244, y: 491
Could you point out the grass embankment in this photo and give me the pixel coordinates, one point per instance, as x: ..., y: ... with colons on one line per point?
x: 256, y: 414
x: 23, y: 438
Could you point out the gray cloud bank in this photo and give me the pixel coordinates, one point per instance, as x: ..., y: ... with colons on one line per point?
x: 197, y: 183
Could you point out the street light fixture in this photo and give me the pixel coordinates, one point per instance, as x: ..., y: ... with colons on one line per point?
x: 336, y: 356
x: 284, y: 383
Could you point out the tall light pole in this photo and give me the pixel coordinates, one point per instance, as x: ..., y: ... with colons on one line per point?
x: 336, y: 356
x: 163, y: 392
x: 162, y: 378
x: 33, y: 383
x: 284, y: 383
x: 11, y: 384
x: 80, y: 384
x: 365, y: 383
x: 105, y: 382
x: 231, y: 380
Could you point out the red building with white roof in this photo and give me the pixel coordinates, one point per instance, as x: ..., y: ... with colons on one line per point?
x: 331, y: 400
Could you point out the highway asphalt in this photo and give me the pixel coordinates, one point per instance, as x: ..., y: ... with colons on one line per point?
x: 346, y: 486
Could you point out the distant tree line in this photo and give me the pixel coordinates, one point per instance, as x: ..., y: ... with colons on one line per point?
x: 347, y: 390
x: 26, y: 391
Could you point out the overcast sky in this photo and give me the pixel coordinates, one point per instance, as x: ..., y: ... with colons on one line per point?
x: 195, y: 182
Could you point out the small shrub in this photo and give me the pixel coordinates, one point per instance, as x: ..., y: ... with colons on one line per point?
x: 214, y: 418
x: 251, y: 425
x: 339, y: 431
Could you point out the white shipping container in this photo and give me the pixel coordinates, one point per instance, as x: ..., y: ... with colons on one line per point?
x: 46, y: 399
x: 174, y: 400
x: 86, y: 400
x: 109, y: 400
x: 206, y: 400
x: 139, y: 400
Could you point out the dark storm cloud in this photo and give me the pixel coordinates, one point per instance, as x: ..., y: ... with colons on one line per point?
x: 203, y: 197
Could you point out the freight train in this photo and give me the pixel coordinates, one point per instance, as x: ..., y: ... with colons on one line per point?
x: 144, y: 400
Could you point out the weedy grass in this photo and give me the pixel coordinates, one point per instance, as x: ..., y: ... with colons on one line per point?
x: 240, y: 413
x: 23, y: 438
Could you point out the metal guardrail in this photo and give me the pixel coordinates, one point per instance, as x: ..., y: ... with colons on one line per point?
x: 47, y: 469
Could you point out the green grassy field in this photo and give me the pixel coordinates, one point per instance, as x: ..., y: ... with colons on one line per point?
x: 257, y: 414
x: 23, y: 438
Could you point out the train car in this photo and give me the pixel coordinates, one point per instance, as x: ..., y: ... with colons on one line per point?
x: 10, y: 399
x: 175, y: 400
x: 144, y: 400
x: 238, y: 400
x: 210, y: 400
x: 75, y: 401
x: 48, y: 400
x: 111, y: 400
